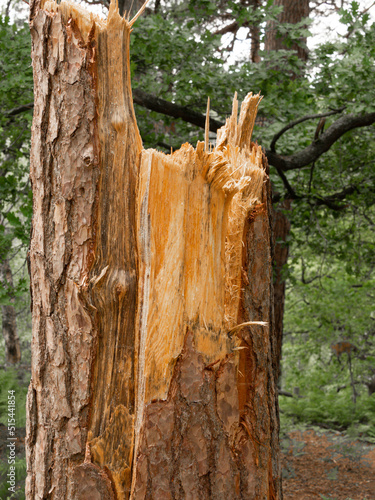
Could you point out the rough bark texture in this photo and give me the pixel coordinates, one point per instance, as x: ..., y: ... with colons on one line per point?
x: 8, y: 317
x: 293, y: 12
x: 258, y: 362
x: 64, y: 176
x: 144, y: 385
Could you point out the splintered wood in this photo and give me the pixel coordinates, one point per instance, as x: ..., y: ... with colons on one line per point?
x: 142, y: 287
x: 191, y: 211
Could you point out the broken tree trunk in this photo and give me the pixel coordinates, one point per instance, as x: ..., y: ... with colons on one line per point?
x: 153, y: 348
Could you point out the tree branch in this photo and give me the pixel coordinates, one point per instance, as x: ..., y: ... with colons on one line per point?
x: 301, y: 120
x: 291, y: 193
x: 282, y: 163
x: 229, y: 28
x: 285, y: 393
x: 168, y: 108
x: 20, y: 109
x: 152, y: 103
x: 330, y: 201
x: 317, y: 148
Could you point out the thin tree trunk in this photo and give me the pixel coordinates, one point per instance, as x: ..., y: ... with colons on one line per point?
x: 254, y: 34
x: 143, y: 265
x: 9, y: 323
x: 352, y: 382
x: 255, y: 44
x: 293, y: 12
x: 281, y: 232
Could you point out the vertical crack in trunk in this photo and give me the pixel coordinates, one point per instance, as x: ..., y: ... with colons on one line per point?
x: 114, y: 295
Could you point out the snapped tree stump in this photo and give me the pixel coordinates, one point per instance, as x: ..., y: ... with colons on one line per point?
x: 151, y: 378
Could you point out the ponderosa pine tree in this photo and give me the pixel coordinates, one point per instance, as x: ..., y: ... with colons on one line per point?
x: 153, y: 369
x: 341, y: 181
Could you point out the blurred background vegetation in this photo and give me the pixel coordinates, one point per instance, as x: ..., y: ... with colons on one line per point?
x: 183, y: 51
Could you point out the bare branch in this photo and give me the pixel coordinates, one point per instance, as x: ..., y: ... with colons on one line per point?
x: 301, y: 120
x: 291, y: 193
x: 7, y: 8
x: 229, y: 28
x: 367, y: 9
x: 330, y: 201
x: 20, y: 109
x: 285, y: 393
x: 168, y: 108
x: 282, y: 163
x: 317, y: 148
x: 104, y: 3
x: 303, y: 277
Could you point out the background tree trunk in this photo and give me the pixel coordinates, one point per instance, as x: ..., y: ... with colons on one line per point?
x: 9, y: 323
x: 255, y: 36
x: 150, y: 378
x: 281, y: 233
x: 293, y: 12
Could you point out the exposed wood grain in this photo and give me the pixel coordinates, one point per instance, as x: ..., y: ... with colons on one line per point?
x: 114, y: 295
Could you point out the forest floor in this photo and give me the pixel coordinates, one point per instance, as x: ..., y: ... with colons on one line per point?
x: 327, y: 465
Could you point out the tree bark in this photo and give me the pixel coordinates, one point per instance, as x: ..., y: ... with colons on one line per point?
x: 281, y: 233
x: 293, y: 12
x: 9, y: 323
x: 255, y: 36
x: 153, y: 367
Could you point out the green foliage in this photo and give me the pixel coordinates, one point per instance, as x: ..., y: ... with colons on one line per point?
x: 170, y: 61
x: 319, y: 406
x: 345, y: 69
x: 9, y: 380
x: 15, y: 192
x: 330, y: 270
x: 334, y: 303
x: 21, y: 473
x: 176, y: 55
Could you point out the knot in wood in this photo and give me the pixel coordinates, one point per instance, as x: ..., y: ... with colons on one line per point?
x: 118, y: 121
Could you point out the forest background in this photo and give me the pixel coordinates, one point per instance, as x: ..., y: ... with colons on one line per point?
x: 316, y: 123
